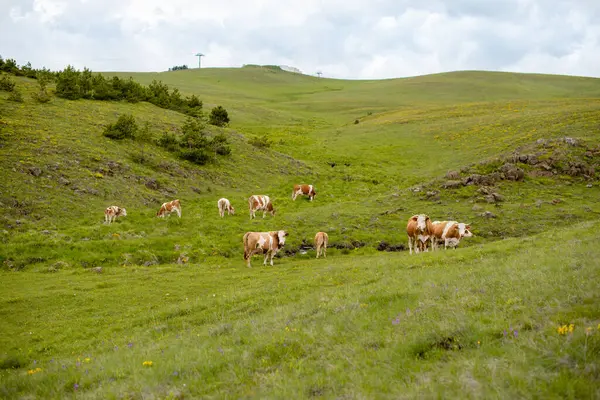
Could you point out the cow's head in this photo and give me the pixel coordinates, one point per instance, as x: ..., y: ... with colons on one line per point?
x: 464, y: 230
x: 231, y: 209
x: 423, y: 221
x: 123, y: 212
x: 312, y: 192
x: 270, y: 208
x: 281, y: 236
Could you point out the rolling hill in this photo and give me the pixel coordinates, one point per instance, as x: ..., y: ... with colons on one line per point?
x: 515, y: 155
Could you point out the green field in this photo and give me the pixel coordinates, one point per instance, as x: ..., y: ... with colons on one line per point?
x: 89, y: 303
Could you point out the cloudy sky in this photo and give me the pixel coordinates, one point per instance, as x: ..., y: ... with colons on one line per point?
x: 356, y: 39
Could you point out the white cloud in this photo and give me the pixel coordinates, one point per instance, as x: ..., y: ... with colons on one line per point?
x: 343, y: 38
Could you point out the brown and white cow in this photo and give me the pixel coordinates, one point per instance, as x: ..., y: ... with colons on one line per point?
x: 321, y: 240
x: 224, y: 205
x: 168, y: 208
x: 449, y: 233
x: 304, y: 190
x: 260, y: 202
x: 419, y: 230
x: 267, y: 243
x: 112, y: 212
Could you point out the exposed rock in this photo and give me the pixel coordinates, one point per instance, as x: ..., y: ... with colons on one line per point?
x: 384, y: 246
x: 571, y: 141
x: 494, y: 198
x: 488, y: 214
x: 152, y: 183
x: 589, y: 185
x: 183, y: 259
x: 433, y: 195
x: 97, y: 270
x: 479, y: 180
x: 512, y: 173
x: 195, y: 189
x: 35, y: 171
x: 452, y: 175
x: 476, y: 208
x: 45, y: 232
x: 64, y: 181
x: 452, y: 184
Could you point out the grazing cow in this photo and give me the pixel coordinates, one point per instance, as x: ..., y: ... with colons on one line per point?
x: 321, y: 239
x: 450, y: 233
x: 419, y: 230
x: 260, y: 202
x: 304, y: 190
x: 168, y: 208
x: 225, y: 205
x: 112, y: 212
x: 267, y: 243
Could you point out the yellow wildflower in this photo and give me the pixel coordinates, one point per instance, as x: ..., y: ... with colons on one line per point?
x: 571, y: 328
x: 562, y: 330
x: 34, y: 371
x: 147, y: 363
x: 87, y: 359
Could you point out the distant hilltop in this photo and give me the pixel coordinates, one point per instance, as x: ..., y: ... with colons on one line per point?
x: 275, y: 67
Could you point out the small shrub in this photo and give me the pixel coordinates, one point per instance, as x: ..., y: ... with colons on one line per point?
x: 260, y: 141
x: 168, y: 141
x: 197, y: 156
x: 16, y: 95
x: 41, y: 97
x: 124, y: 128
x: 7, y: 84
x: 218, y: 117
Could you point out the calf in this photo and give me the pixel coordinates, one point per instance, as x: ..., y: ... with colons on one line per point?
x: 304, y: 190
x: 267, y: 243
x: 225, y: 205
x: 450, y: 233
x: 112, y: 212
x: 419, y: 230
x: 321, y: 239
x: 168, y: 208
x: 260, y: 202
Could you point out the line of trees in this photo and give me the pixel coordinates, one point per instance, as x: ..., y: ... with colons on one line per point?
x: 178, y: 67
x: 192, y: 144
x: 73, y: 84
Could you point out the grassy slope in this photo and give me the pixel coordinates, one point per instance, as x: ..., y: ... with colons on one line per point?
x: 389, y: 325
x: 410, y: 131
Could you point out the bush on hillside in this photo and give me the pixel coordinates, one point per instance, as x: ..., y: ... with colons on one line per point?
x: 124, y: 128
x: 260, y: 141
x: 168, y: 141
x: 16, y: 95
x: 218, y: 116
x: 7, y: 84
x: 67, y: 84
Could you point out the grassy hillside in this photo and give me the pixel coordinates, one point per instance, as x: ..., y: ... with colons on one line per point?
x: 377, y: 152
x: 473, y: 323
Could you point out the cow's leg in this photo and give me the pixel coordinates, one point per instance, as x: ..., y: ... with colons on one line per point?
x: 325, y: 249
x: 264, y: 213
x: 410, y: 245
x: 179, y: 212
x: 272, y: 255
x: 266, y: 258
x: 318, y: 249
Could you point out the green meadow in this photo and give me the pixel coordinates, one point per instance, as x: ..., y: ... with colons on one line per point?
x: 166, y: 308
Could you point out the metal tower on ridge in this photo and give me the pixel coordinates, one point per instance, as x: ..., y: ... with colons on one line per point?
x: 199, y: 55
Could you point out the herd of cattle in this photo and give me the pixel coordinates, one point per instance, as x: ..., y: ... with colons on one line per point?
x: 422, y: 232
